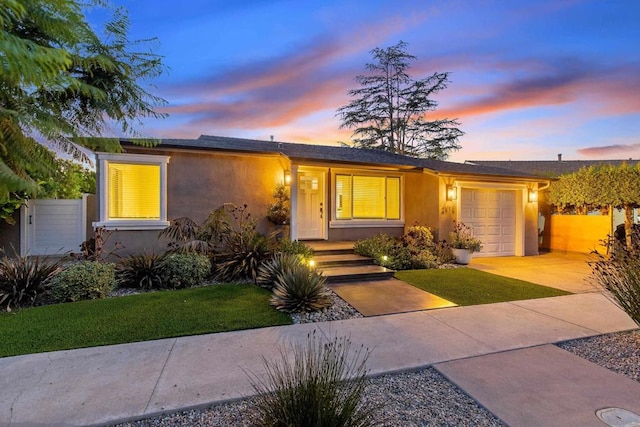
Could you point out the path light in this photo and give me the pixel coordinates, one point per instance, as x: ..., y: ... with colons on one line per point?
x: 312, y: 263
x: 385, y: 258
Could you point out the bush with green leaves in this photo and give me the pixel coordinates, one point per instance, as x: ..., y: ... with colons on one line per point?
x: 324, y: 385
x: 141, y: 271
x: 295, y: 247
x: 413, y: 250
x: 300, y: 288
x: 23, y: 279
x: 84, y: 280
x: 185, y: 270
x: 268, y: 272
x: 619, y: 275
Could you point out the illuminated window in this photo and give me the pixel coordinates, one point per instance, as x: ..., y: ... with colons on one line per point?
x: 367, y: 197
x: 132, y: 191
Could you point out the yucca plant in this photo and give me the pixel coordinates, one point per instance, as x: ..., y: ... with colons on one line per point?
x: 269, y: 270
x: 300, y: 289
x: 322, y: 386
x: 141, y: 271
x: 25, y: 278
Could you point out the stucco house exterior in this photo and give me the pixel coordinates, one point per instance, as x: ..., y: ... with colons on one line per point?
x: 337, y: 193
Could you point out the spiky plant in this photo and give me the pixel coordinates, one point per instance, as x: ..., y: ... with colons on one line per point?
x: 322, y: 386
x: 269, y: 270
x: 300, y: 289
x: 141, y: 271
x: 619, y: 275
x: 242, y: 257
x: 24, y: 278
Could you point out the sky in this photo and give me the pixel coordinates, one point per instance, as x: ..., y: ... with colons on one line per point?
x: 528, y: 79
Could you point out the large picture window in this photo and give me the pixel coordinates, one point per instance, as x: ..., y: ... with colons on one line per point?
x: 132, y: 191
x: 367, y: 197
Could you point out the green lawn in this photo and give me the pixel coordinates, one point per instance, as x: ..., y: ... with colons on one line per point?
x: 137, y: 318
x: 466, y: 286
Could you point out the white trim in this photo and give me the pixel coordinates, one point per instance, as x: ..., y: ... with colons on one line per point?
x: 132, y: 225
x: 24, y: 232
x: 103, y: 160
x: 365, y: 223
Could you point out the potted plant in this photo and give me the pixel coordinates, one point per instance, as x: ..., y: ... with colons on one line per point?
x: 279, y: 212
x: 463, y: 243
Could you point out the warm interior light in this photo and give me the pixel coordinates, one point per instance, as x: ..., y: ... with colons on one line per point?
x: 533, y: 196
x: 452, y: 193
x: 287, y: 178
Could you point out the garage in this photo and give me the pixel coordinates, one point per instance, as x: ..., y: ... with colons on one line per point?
x: 492, y: 215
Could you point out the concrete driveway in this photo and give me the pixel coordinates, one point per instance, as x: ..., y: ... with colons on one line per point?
x: 566, y: 271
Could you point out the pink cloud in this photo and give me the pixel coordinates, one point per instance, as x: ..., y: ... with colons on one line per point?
x: 605, y: 151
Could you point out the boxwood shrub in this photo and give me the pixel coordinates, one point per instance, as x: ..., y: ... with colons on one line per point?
x: 185, y: 270
x: 84, y: 280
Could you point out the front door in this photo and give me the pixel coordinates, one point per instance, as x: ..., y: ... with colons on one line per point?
x: 311, y: 209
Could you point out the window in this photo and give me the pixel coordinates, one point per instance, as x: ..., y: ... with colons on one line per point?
x: 367, y: 197
x: 132, y: 191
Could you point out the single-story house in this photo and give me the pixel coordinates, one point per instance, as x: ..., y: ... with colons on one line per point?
x: 337, y: 193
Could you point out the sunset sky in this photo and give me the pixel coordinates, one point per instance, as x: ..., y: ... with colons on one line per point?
x: 529, y: 79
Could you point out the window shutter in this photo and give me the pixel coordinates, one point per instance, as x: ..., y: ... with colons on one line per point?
x: 134, y: 191
x: 368, y: 197
x: 393, y: 198
x: 343, y: 197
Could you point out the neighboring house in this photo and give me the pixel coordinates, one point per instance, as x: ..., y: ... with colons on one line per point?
x: 337, y: 193
x: 565, y: 232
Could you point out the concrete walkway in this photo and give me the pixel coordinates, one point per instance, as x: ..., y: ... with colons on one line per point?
x: 114, y: 383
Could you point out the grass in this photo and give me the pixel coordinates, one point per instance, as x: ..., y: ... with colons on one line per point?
x: 466, y: 286
x: 135, y: 318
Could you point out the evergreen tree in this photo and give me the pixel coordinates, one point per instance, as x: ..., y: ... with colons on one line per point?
x: 389, y: 109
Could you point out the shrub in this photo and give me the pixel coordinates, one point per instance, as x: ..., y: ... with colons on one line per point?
x: 185, y: 270
x: 322, y: 386
x: 300, y: 289
x: 295, y: 247
x: 269, y: 270
x: 141, y: 271
x: 619, y: 275
x: 24, y: 279
x: 84, y: 280
x: 375, y: 247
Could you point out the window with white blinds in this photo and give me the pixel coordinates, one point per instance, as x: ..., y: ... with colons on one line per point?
x: 367, y: 197
x: 134, y: 191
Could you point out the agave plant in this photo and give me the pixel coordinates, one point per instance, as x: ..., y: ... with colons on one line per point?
x: 141, y: 271
x: 269, y: 270
x: 23, y: 279
x: 300, y: 289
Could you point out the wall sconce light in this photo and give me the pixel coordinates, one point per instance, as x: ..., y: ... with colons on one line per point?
x: 287, y: 177
x: 533, y: 196
x: 452, y: 193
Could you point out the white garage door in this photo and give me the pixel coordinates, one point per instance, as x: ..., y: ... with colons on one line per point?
x: 492, y: 215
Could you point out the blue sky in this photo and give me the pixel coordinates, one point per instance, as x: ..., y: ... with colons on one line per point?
x: 529, y: 79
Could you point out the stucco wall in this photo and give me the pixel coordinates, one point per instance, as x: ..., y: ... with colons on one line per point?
x: 10, y: 235
x: 338, y: 234
x: 578, y: 233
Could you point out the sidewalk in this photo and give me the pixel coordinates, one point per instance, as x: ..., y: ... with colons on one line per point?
x: 115, y: 383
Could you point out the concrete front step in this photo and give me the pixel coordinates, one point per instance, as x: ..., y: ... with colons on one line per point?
x: 337, y: 260
x: 356, y: 273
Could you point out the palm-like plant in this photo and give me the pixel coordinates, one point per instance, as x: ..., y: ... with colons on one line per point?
x: 141, y: 271
x: 268, y: 272
x: 23, y: 279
